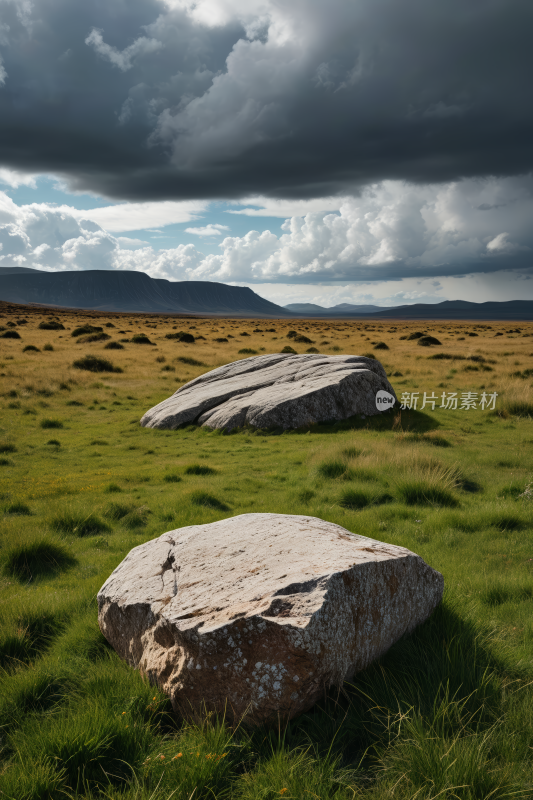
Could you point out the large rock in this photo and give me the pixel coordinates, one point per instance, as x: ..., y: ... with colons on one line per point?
x: 287, y: 391
x: 258, y: 614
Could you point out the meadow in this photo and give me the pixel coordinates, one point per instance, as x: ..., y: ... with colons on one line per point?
x: 447, y: 713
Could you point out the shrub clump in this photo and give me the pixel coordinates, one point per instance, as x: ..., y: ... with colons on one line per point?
x: 94, y: 337
x: 8, y: 448
x: 140, y: 338
x: 207, y: 501
x: 301, y: 339
x: 289, y: 349
x: 10, y: 335
x: 428, y: 341
x: 247, y: 351
x: 114, y: 346
x: 78, y: 524
x: 311, y: 350
x: 27, y: 560
x: 412, y: 336
x: 48, y: 347
x: 446, y: 357
x: 222, y: 339
x: 381, y: 346
x: 30, y: 348
x: 95, y: 364
x: 86, y: 329
x: 51, y: 325
x: 181, y: 336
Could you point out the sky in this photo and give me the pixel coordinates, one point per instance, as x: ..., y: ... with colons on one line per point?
x: 323, y: 151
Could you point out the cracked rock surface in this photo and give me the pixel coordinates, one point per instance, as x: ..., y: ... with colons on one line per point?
x: 278, y: 390
x: 259, y: 613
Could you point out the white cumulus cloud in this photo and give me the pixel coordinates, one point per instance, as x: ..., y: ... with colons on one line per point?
x: 391, y: 231
x: 213, y: 229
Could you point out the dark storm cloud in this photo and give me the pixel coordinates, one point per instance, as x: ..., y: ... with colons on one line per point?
x: 146, y: 100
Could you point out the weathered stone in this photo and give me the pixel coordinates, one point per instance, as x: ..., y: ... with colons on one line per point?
x: 259, y: 613
x: 286, y: 391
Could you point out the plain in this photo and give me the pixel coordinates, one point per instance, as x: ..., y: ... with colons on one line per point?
x: 447, y: 713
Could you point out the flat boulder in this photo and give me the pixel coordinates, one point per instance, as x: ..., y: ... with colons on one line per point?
x: 256, y: 615
x: 276, y: 391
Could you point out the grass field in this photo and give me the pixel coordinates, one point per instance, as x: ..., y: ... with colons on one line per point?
x: 448, y: 713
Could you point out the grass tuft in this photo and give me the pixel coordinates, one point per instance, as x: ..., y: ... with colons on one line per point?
x: 417, y: 491
x: 199, y: 469
x: 95, y: 364
x: 140, y: 338
x: 83, y: 330
x: 94, y: 337
x: 171, y: 478
x: 193, y: 362
x: 181, y: 336
x: 17, y: 508
x: 203, y: 499
x: 39, y: 557
x: 47, y: 423
x: 7, y: 448
x: 116, y: 511
x: 51, y: 325
x: 78, y: 524
x: 357, y: 499
x: 428, y: 341
x: 333, y: 468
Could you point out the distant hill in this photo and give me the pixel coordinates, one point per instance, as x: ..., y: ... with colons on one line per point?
x: 462, y: 309
x: 17, y: 270
x: 341, y: 308
x: 448, y: 309
x: 107, y: 290
x: 114, y: 290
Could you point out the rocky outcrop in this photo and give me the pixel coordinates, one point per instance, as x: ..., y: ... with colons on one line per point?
x: 257, y: 614
x: 275, y: 391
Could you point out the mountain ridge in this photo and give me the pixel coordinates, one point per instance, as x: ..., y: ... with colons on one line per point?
x: 106, y: 290
x: 132, y: 291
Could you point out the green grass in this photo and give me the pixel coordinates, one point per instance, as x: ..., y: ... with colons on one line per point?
x: 446, y: 713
